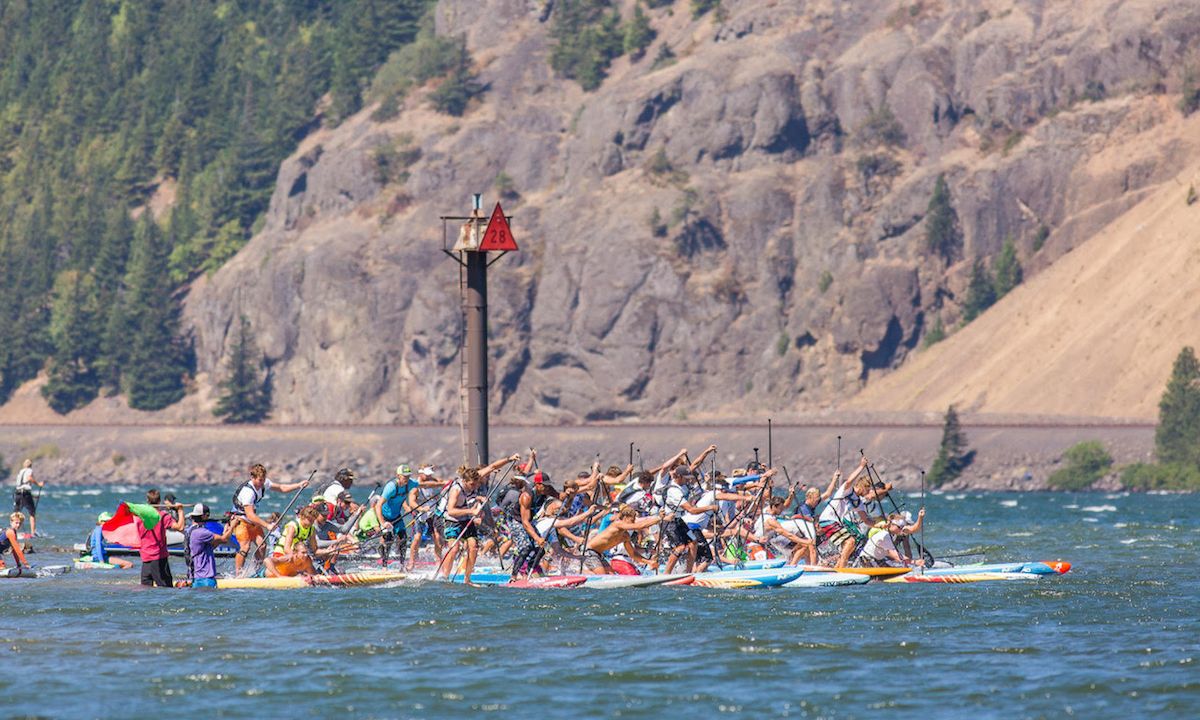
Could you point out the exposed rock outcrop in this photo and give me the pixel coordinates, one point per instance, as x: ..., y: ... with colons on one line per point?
x: 790, y: 153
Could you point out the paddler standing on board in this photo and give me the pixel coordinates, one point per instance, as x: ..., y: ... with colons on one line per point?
x: 23, y: 500
x: 464, y: 503
x: 246, y: 500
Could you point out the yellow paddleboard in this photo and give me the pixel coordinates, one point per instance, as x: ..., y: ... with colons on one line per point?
x: 726, y: 583
x: 301, y: 581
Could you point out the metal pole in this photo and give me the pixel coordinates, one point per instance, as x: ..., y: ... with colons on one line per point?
x: 475, y: 304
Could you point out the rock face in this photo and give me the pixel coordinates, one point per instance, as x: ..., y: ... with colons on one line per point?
x: 790, y: 153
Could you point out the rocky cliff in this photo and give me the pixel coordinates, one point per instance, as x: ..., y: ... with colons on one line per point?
x: 735, y: 232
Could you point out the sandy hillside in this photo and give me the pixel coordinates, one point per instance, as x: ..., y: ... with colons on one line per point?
x: 1094, y: 334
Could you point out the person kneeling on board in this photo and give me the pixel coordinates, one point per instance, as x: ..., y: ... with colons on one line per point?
x: 97, y: 548
x: 297, y: 547
x: 10, y: 540
x: 615, y: 534
x: 199, y: 544
x: 880, y: 548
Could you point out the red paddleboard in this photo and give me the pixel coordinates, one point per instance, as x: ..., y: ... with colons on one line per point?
x: 550, y: 581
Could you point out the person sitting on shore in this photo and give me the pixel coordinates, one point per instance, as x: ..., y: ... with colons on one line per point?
x: 97, y: 549
x: 200, y: 545
x: 10, y: 541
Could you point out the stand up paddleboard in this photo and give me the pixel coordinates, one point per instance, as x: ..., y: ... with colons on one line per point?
x: 302, y: 581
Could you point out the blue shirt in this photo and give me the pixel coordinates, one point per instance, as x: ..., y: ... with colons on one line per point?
x: 99, y: 553
x: 392, y: 499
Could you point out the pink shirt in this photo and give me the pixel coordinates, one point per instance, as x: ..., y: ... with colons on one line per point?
x: 154, y: 542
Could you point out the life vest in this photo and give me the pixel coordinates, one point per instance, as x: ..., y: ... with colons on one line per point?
x: 6, y: 543
x: 238, y: 506
x: 302, y: 535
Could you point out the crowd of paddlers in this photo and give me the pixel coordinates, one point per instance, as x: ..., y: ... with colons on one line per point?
x: 682, y: 515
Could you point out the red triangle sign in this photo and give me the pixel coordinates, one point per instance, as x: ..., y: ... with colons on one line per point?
x: 498, y: 235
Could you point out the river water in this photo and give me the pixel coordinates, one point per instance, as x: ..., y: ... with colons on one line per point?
x: 1118, y: 636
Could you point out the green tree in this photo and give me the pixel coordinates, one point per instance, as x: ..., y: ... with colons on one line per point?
x: 936, y: 334
x: 157, y: 362
x: 942, y: 235
x: 1007, y: 267
x: 1177, y: 438
x: 587, y: 36
x: 953, y: 454
x: 638, y: 34
x: 245, y: 396
x: 458, y: 87
x: 981, y: 292
x: 73, y: 381
x: 700, y: 7
x: 1086, y: 463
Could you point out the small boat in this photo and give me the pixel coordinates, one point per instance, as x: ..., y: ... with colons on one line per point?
x: 828, y: 579
x: 300, y: 581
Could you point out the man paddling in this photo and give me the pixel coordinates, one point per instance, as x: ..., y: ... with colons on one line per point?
x: 23, y: 500
x: 617, y: 533
x: 464, y: 503
x: 246, y: 500
x: 421, y: 505
x: 200, y: 544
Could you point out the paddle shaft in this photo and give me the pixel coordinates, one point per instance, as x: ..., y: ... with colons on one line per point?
x: 587, y: 531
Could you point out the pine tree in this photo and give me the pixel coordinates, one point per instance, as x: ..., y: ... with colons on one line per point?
x: 942, y: 235
x: 1177, y: 438
x: 638, y: 34
x: 73, y: 380
x: 981, y: 292
x: 157, y: 361
x: 245, y: 397
x: 1008, y: 269
x: 456, y: 90
x: 953, y: 456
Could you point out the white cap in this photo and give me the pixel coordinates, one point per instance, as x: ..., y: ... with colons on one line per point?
x: 427, y: 470
x: 200, y: 510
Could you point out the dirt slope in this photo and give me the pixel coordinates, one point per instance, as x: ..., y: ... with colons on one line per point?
x: 1094, y: 334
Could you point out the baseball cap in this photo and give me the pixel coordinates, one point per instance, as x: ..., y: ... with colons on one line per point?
x: 200, y: 510
x: 427, y: 470
x: 345, y: 496
x: 404, y: 469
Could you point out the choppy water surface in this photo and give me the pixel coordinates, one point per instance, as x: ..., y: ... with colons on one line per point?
x: 1119, y: 635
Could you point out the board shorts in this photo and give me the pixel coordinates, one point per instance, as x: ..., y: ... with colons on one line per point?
x: 455, y: 531
x: 595, y: 560
x: 676, y: 533
x: 836, y: 534
x: 204, y: 582
x: 157, y: 573
x: 623, y: 567
x: 23, y: 503
x: 246, y: 533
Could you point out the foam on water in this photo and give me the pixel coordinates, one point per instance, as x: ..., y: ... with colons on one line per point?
x: 1098, y: 508
x: 1008, y: 503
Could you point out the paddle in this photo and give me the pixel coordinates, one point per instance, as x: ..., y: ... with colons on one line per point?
x: 925, y: 554
x: 923, y: 520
